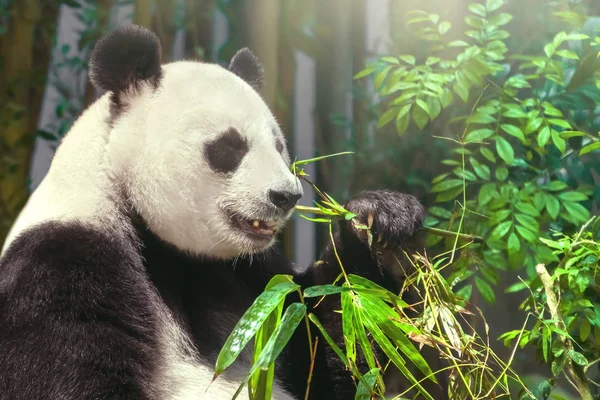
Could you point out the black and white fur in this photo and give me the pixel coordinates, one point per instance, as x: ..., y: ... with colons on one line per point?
x: 135, y: 257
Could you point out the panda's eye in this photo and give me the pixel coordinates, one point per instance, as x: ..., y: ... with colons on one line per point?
x: 225, y: 153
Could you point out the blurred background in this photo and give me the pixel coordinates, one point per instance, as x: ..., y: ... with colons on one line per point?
x: 311, y: 50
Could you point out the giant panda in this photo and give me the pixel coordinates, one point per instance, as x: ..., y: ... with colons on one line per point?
x: 154, y: 231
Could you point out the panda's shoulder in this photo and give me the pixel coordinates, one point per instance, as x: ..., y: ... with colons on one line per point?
x: 71, y: 254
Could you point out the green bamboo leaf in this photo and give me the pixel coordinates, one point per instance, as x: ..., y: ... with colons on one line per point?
x: 281, y: 336
x: 391, y: 352
x: 363, y: 391
x: 322, y: 290
x: 336, y: 349
x: 311, y: 160
x: 543, y: 136
x: 364, y: 285
x: 250, y: 323
x: 348, y: 327
x: 318, y: 220
x: 505, y: 150
x: 381, y: 314
x: 262, y: 380
x: 363, y: 341
x: 485, y: 290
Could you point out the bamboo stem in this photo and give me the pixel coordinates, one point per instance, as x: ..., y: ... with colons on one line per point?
x: 433, y: 231
x: 577, y: 380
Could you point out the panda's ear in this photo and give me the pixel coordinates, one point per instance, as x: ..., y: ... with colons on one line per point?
x: 124, y: 59
x: 246, y: 65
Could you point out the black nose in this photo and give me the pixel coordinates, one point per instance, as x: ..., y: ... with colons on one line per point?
x: 284, y: 200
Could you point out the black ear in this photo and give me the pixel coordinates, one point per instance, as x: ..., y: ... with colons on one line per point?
x: 123, y: 60
x: 245, y: 65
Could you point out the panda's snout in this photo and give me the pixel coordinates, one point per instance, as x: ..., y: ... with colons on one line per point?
x: 284, y: 200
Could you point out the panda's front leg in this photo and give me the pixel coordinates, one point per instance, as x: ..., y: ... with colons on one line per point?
x: 394, y: 219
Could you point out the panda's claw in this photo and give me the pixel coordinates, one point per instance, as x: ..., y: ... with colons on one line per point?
x: 392, y: 217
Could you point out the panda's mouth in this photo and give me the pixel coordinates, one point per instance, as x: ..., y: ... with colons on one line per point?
x: 256, y: 227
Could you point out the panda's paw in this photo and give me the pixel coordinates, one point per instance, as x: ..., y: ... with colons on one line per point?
x: 391, y: 217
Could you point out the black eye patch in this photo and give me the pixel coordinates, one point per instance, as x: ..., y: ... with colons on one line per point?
x: 225, y: 153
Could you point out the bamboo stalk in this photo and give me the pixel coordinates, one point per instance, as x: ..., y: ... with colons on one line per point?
x: 18, y: 50
x: 578, y: 381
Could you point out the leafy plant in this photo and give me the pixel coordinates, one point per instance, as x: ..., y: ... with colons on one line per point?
x: 565, y: 305
x: 519, y: 155
x: 368, y: 310
x: 516, y: 138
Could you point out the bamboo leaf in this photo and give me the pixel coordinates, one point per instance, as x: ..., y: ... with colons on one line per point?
x: 250, y: 323
x: 284, y: 331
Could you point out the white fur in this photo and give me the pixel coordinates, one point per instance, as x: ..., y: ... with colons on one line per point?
x: 156, y: 152
x: 168, y: 177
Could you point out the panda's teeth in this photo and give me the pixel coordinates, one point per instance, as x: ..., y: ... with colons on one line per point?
x: 256, y: 224
x: 273, y: 225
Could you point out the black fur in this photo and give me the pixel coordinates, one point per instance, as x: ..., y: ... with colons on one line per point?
x: 124, y: 59
x: 75, y: 312
x: 245, y: 65
x: 76, y: 317
x: 225, y: 153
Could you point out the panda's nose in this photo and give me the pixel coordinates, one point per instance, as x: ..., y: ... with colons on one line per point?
x: 284, y: 200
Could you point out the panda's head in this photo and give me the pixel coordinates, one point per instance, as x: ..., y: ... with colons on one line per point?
x: 194, y: 147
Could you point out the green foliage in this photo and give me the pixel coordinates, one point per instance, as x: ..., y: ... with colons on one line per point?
x: 566, y: 307
x: 371, y: 315
x: 516, y: 137
x: 519, y: 166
